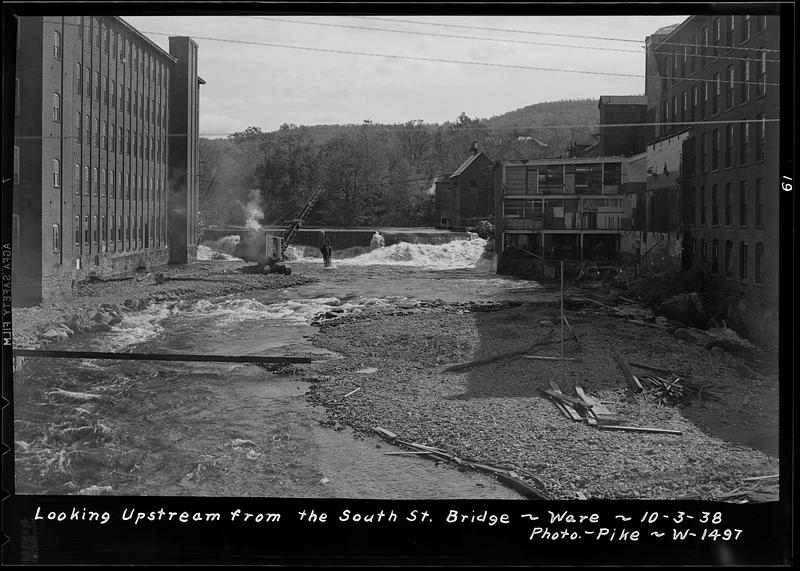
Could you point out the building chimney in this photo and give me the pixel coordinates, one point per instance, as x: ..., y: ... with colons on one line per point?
x: 474, y: 148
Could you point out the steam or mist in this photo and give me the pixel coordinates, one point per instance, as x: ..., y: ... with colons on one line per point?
x: 253, y: 211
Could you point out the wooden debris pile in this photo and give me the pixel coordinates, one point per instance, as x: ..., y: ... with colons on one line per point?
x: 633, y: 313
x: 671, y: 388
x: 510, y: 478
x: 588, y: 409
x: 756, y: 489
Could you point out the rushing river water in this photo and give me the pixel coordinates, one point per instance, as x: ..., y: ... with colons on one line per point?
x: 181, y: 428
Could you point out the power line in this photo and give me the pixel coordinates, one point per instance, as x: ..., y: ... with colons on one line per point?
x: 412, y: 32
x: 440, y: 60
x: 456, y: 36
x: 391, y: 129
x: 538, y: 33
x: 499, y: 29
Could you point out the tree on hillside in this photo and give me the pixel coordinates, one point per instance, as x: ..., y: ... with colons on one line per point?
x: 286, y: 173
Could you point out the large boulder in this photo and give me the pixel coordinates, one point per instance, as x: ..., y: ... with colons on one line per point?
x: 686, y: 308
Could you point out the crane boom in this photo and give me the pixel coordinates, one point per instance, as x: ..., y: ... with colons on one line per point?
x: 297, y: 221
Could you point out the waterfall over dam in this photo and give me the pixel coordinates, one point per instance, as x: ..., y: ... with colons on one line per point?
x: 343, y: 238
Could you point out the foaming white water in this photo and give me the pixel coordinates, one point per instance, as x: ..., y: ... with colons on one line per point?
x: 298, y: 311
x: 453, y: 255
x: 137, y: 327
x: 221, y: 249
x: 206, y: 253
x: 302, y: 253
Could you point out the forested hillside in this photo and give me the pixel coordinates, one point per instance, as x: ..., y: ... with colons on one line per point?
x: 373, y: 174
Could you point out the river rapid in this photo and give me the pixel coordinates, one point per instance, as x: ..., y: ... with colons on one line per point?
x: 213, y: 429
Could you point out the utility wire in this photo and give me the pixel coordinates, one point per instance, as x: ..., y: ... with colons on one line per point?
x: 456, y: 36
x: 441, y: 60
x: 433, y: 127
x: 538, y: 33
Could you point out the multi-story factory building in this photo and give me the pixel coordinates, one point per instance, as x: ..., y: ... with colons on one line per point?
x: 105, y: 128
x: 719, y: 75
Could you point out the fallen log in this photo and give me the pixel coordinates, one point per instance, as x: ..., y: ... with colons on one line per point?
x: 525, y: 489
x: 639, y: 429
x: 626, y: 371
x: 498, y: 357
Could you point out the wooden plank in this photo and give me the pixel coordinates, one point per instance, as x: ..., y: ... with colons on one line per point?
x: 639, y: 429
x: 388, y: 434
x: 626, y: 371
x: 753, y: 479
x: 405, y: 452
x: 598, y: 408
x: 556, y: 397
x: 352, y: 392
x: 567, y: 398
x: 560, y: 406
x: 158, y: 356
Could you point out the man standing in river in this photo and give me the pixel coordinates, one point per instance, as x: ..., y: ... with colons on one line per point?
x: 327, y: 249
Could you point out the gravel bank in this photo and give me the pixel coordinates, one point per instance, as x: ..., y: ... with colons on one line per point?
x: 493, y: 413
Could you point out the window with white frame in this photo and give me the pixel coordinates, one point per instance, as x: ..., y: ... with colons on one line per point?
x: 56, y: 107
x: 56, y: 173
x: 57, y: 45
x: 56, y: 238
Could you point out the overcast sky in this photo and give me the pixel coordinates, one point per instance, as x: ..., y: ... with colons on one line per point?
x: 268, y: 85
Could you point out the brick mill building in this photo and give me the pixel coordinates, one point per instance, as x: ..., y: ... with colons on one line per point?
x: 105, y: 153
x: 718, y: 81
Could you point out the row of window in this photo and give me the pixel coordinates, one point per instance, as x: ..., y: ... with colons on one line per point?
x: 693, y: 105
x: 725, y: 215
x: 704, y: 46
x: 149, y: 147
x: 143, y: 62
x: 132, y: 102
x: 100, y: 178
x: 728, y: 257
x: 139, y: 233
x: 724, y: 156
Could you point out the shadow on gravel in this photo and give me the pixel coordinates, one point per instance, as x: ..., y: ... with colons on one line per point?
x: 510, y: 331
